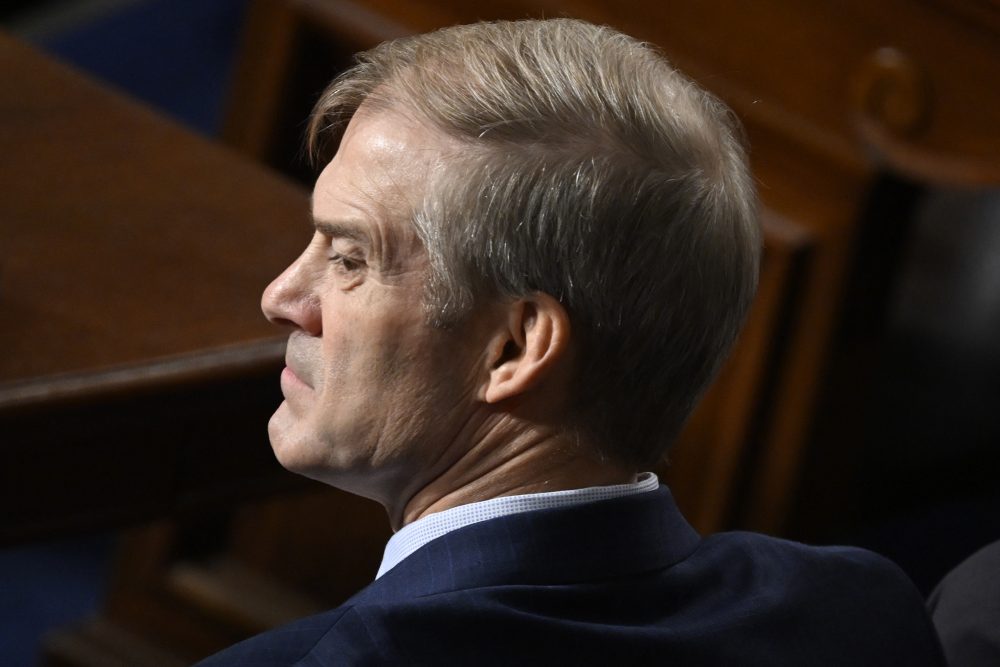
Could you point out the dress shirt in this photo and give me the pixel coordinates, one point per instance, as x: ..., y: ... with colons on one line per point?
x: 415, y: 535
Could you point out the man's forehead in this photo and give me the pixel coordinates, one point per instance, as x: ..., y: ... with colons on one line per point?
x: 384, y: 157
x: 391, y: 133
x: 377, y: 179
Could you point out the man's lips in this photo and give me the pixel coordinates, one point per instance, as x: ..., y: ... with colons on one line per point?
x: 298, y: 359
x: 292, y: 378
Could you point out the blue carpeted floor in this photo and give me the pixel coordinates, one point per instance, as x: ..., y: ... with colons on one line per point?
x: 47, y: 585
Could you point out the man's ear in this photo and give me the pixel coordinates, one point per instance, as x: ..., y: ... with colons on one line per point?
x: 536, y: 337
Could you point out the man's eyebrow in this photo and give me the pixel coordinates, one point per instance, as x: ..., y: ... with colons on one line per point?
x: 342, y: 230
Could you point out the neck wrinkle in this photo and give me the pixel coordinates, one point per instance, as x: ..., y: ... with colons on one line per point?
x: 511, y: 458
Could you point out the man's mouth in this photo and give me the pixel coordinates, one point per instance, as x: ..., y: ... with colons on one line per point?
x: 295, y: 365
x: 292, y: 378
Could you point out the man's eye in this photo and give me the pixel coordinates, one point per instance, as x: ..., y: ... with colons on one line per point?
x: 346, y: 263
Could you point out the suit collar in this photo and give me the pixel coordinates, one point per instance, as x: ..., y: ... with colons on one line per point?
x: 598, y: 540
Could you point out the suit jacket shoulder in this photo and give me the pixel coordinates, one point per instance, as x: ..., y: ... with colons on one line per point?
x: 624, y: 581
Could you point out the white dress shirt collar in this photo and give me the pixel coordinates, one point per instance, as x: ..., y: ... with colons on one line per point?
x: 415, y: 535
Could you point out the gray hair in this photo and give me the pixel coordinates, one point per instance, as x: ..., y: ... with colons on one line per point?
x: 595, y: 173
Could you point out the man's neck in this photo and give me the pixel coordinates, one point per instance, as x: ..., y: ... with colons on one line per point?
x: 512, y: 460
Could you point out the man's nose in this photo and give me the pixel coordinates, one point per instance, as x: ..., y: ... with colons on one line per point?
x: 291, y: 301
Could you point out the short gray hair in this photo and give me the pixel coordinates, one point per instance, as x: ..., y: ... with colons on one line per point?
x: 595, y: 173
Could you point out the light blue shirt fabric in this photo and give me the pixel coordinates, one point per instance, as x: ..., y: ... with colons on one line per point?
x: 415, y: 535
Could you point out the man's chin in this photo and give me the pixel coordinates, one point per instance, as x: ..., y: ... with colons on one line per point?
x: 285, y: 442
x: 299, y: 453
x: 295, y: 444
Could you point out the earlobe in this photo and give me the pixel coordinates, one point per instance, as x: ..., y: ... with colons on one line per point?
x: 535, y: 339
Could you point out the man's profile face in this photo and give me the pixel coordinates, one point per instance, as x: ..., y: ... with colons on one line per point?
x: 371, y: 390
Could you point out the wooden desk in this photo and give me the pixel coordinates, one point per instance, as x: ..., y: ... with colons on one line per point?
x: 136, y: 371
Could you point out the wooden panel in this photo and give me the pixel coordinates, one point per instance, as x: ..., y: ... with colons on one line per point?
x: 133, y: 257
x: 125, y: 238
x: 818, y: 71
x: 99, y: 643
x: 722, y: 440
x: 87, y: 465
x: 329, y: 543
x: 184, y: 590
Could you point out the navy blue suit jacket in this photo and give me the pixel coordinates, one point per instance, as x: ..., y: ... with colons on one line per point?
x: 624, y: 581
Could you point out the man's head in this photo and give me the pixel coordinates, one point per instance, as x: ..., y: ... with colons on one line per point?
x: 570, y: 165
x: 593, y: 171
